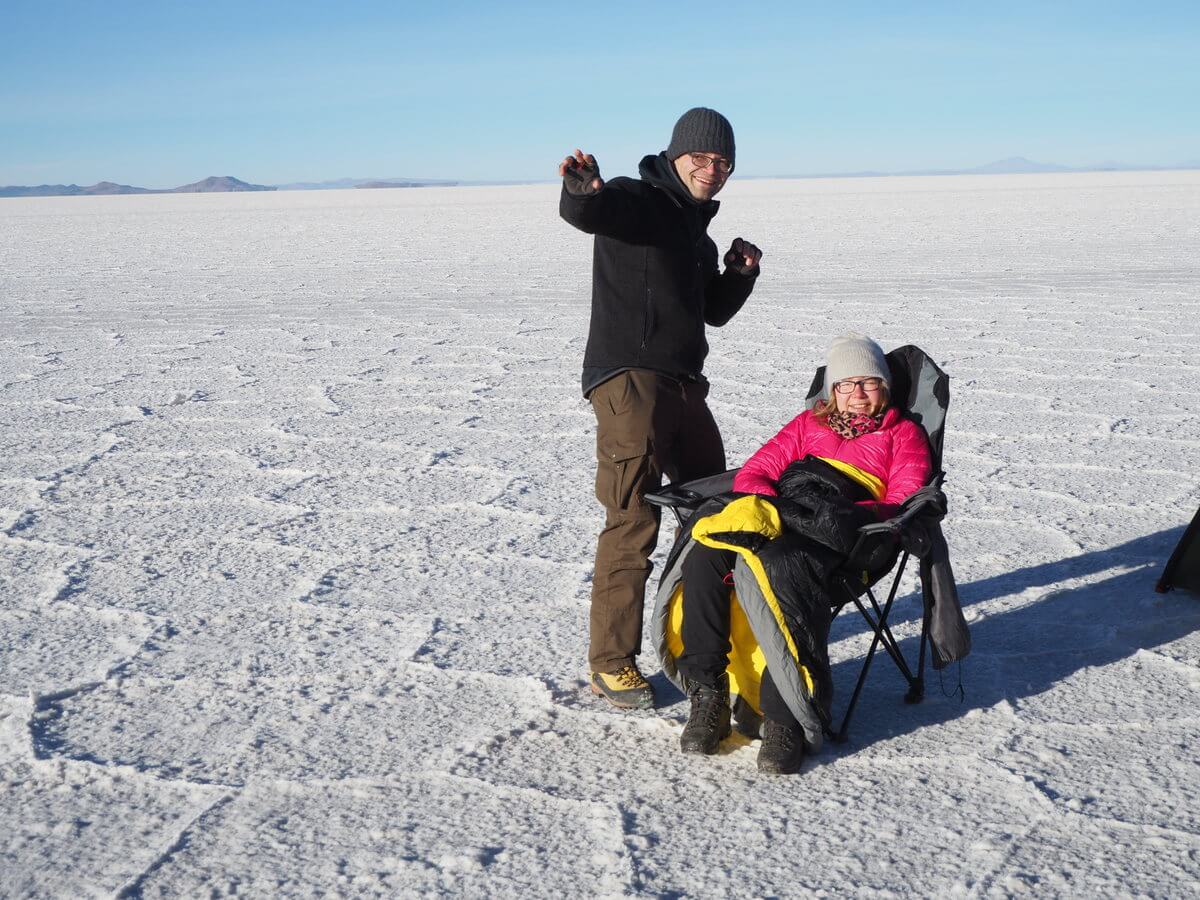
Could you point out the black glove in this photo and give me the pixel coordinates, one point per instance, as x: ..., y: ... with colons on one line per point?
x: 579, y: 178
x: 742, y: 257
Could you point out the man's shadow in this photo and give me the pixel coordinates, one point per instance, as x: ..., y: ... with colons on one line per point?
x: 1023, y: 652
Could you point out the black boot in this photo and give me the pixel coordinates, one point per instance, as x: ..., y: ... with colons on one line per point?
x: 709, y: 718
x: 782, y: 748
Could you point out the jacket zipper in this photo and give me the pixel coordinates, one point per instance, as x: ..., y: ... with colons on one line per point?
x: 647, y: 306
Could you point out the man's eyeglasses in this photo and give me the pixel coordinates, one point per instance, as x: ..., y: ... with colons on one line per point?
x: 870, y: 385
x: 722, y: 165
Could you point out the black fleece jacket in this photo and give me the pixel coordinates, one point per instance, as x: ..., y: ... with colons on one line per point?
x: 655, y: 276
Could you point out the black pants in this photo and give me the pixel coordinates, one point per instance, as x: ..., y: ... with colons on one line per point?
x: 706, y: 622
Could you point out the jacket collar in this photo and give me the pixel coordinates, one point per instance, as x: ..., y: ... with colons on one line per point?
x: 657, y: 170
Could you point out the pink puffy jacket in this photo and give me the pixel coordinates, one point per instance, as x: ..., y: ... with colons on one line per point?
x: 897, y: 454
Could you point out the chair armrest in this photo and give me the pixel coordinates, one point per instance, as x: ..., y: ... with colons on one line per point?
x: 673, y: 496
x: 920, y: 505
x: 691, y: 494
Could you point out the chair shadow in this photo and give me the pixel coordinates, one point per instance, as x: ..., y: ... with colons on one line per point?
x: 1152, y: 549
x: 666, y: 695
x: 1024, y: 652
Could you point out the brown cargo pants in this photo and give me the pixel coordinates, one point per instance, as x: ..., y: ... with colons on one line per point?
x: 647, y: 425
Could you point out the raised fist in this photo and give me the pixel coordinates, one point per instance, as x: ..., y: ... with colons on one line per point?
x: 742, y: 256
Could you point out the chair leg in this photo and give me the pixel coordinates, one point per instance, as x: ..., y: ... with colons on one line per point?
x: 916, y: 690
x: 884, y: 636
x: 879, y: 625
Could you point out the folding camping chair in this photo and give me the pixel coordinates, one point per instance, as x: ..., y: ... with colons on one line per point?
x: 921, y: 389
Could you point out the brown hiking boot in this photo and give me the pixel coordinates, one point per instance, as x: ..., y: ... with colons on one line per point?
x: 624, y: 688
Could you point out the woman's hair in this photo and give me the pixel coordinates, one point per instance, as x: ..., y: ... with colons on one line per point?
x: 826, y: 406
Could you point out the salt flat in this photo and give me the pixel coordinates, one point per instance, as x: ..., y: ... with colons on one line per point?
x: 296, y: 528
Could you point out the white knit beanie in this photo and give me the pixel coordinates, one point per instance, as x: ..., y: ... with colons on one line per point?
x: 854, y: 354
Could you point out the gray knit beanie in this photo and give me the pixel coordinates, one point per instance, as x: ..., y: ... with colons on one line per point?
x: 702, y: 130
x: 854, y: 354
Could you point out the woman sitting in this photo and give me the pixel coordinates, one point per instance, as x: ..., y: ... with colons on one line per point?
x: 850, y: 460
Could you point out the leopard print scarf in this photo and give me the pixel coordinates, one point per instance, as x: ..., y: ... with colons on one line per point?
x: 852, y: 425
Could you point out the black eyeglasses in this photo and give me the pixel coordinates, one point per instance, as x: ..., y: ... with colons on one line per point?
x: 870, y: 385
x: 722, y: 165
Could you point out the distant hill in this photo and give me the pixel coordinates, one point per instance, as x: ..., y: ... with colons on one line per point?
x: 211, y: 184
x: 404, y: 184
x: 343, y: 183
x: 214, y: 184
x: 71, y: 190
x: 227, y: 183
x: 1013, y: 165
x: 1018, y: 165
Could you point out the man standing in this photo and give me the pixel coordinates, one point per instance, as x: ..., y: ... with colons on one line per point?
x: 655, y: 285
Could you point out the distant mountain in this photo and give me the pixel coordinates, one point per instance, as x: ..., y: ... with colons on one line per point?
x: 208, y: 185
x: 1017, y: 165
x: 343, y: 183
x: 1014, y: 165
x: 405, y: 184
x: 214, y: 184
x: 70, y: 190
x: 337, y: 184
x: 227, y: 183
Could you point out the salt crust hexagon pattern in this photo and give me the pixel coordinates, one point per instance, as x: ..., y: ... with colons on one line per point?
x: 296, y: 519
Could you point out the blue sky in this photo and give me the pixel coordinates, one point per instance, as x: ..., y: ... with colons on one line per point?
x: 159, y: 94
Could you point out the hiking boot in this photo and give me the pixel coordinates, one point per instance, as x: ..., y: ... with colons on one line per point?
x: 624, y: 688
x: 782, y: 748
x: 708, y: 721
